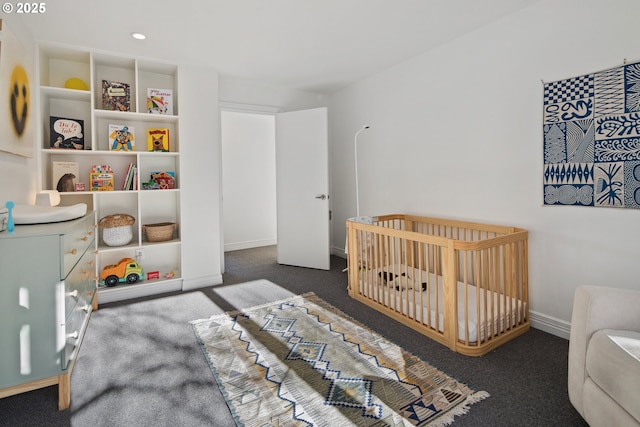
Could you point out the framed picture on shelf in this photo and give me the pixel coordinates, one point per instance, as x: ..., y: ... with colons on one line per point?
x: 66, y: 133
x: 158, y: 139
x: 122, y: 138
x: 64, y: 176
x: 116, y: 96
x: 159, y: 101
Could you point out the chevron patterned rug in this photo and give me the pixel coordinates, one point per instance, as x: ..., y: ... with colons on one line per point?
x: 301, y: 362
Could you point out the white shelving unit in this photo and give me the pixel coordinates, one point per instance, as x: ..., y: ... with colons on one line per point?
x: 56, y: 64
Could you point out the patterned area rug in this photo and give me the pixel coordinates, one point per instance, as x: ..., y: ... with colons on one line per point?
x: 301, y: 362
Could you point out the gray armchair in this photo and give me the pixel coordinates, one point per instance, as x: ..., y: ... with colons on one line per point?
x: 604, y: 356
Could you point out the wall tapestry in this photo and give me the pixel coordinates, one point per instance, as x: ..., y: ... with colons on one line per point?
x: 591, y: 129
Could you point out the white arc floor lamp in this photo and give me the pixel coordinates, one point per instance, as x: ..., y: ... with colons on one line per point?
x: 357, y: 218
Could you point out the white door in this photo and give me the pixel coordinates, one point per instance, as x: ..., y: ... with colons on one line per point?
x: 302, y: 188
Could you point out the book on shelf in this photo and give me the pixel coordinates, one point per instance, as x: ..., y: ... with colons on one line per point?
x: 64, y: 176
x: 121, y: 138
x: 134, y: 185
x: 159, y: 101
x: 116, y: 96
x: 130, y: 182
x: 158, y: 139
x: 160, y: 181
x: 101, y: 178
x: 165, y: 180
x: 66, y: 133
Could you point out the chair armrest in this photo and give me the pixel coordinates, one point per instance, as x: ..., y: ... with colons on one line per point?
x: 595, y: 308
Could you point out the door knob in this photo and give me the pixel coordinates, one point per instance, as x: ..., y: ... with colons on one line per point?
x: 322, y: 197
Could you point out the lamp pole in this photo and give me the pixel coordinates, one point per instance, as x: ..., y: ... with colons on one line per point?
x: 355, y: 157
x: 355, y: 149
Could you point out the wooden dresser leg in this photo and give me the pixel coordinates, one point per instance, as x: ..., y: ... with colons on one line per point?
x: 64, y: 391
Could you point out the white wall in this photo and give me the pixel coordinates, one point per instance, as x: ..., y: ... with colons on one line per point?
x: 200, y: 221
x: 457, y: 133
x: 248, y: 180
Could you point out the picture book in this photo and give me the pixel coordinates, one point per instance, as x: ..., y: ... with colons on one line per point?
x: 122, y: 138
x: 165, y: 180
x: 116, y: 96
x: 159, y: 101
x: 101, y: 178
x: 66, y: 133
x: 64, y: 176
x: 158, y: 139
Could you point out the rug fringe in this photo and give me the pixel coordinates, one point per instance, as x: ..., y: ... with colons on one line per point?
x: 462, y: 409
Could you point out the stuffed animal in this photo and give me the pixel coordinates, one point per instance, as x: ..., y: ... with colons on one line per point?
x: 65, y: 183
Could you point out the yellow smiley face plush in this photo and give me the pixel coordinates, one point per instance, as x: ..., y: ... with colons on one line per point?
x: 19, y: 99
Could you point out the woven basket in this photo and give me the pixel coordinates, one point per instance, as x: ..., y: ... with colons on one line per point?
x: 116, y: 229
x: 159, y: 232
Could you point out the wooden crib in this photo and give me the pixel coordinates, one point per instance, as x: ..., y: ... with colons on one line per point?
x: 462, y: 284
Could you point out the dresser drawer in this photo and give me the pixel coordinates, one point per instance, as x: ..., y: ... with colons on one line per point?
x: 74, y: 329
x: 76, y: 242
x: 80, y: 283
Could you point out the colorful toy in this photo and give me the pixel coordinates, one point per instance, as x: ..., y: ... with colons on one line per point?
x: 151, y: 185
x: 153, y: 275
x: 127, y: 270
x: 10, y: 225
x: 76, y: 83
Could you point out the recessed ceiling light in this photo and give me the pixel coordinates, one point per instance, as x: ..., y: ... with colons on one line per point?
x: 138, y: 36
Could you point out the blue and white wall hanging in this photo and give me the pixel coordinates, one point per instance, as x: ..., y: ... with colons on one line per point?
x: 591, y: 129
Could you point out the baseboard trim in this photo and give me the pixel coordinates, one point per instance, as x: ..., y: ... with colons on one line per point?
x: 338, y: 251
x: 552, y: 325
x: 201, y: 282
x: 143, y: 289
x: 249, y: 244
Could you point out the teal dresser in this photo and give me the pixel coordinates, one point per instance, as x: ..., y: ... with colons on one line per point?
x: 47, y: 293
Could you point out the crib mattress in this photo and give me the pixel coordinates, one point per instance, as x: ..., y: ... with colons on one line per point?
x: 498, y: 306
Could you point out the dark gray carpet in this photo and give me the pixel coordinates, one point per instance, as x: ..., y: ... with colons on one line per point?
x: 140, y: 364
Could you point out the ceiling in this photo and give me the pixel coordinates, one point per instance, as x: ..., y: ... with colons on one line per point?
x: 312, y: 45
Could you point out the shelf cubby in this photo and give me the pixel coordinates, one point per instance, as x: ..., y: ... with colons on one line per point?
x: 58, y: 64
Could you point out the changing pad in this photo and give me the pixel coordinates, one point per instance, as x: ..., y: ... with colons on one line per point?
x: 34, y: 214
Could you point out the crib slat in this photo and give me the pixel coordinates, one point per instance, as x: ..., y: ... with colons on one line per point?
x: 488, y: 301
x: 466, y: 296
x: 479, y: 297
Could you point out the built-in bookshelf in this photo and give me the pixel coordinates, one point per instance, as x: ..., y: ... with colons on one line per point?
x: 81, y: 100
